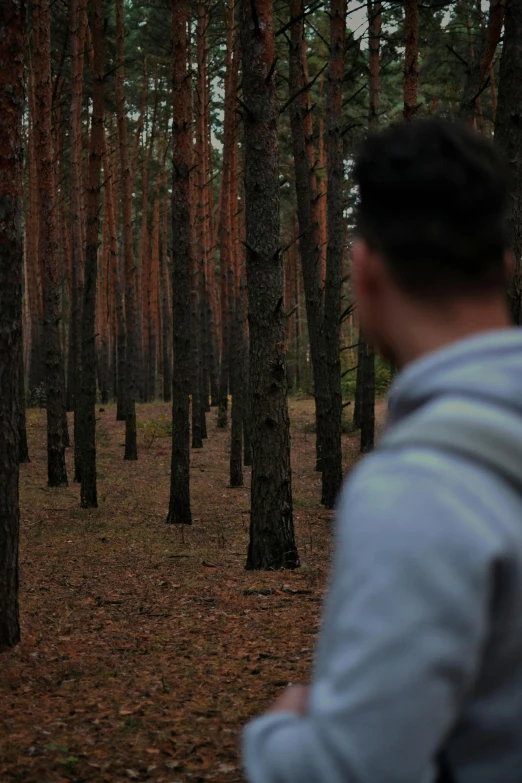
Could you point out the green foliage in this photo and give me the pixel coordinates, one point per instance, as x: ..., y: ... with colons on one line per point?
x: 154, y: 429
x: 382, y: 376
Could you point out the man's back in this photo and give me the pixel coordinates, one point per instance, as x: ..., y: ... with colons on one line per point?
x: 424, y: 619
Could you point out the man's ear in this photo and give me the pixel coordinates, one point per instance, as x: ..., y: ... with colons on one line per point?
x: 359, y: 253
x: 363, y: 267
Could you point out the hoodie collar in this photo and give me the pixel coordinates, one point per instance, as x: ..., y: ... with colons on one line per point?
x: 417, y: 382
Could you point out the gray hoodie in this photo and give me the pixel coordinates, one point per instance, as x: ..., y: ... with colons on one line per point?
x: 421, y: 642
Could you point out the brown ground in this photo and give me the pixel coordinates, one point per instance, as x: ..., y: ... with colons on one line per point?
x: 146, y: 647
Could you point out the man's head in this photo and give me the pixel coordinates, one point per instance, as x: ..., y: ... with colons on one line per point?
x: 430, y: 255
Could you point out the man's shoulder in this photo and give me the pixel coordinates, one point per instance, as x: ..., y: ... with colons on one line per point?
x: 420, y: 498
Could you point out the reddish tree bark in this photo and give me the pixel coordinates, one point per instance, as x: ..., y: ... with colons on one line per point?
x: 226, y: 209
x: 480, y: 61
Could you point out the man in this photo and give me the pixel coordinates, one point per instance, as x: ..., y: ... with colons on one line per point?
x: 418, y: 673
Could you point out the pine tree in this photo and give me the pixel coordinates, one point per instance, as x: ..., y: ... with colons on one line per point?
x: 272, y: 544
x: 127, y: 177
x: 86, y: 395
x: 11, y: 260
x: 366, y: 354
x: 332, y: 457
x: 179, y: 505
x: 49, y: 242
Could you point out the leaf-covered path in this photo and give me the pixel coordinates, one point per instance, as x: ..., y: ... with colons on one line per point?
x: 145, y: 646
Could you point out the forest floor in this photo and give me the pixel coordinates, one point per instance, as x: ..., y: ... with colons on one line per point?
x: 146, y: 647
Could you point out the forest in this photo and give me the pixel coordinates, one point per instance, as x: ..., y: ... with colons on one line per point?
x: 183, y: 380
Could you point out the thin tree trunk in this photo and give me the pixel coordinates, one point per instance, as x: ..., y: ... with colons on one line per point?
x: 179, y: 505
x: 131, y: 449
x: 237, y: 356
x: 480, y: 62
x: 11, y: 260
x: 49, y: 245
x: 165, y: 308
x: 33, y: 279
x: 86, y: 398
x: 77, y: 31
x: 110, y: 190
x: 411, y: 57
x: 508, y: 136
x: 332, y: 457
x: 232, y: 63
x: 272, y: 544
x: 366, y: 362
x: 309, y: 227
x: 23, y: 448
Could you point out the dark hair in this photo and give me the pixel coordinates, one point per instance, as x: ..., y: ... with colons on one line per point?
x: 432, y: 200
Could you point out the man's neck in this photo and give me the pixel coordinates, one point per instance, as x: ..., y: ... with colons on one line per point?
x: 424, y: 330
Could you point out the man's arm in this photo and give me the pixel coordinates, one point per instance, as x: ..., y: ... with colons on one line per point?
x: 404, y: 624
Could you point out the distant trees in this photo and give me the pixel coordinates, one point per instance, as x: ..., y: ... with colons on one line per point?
x: 272, y: 544
x: 133, y: 291
x: 12, y: 32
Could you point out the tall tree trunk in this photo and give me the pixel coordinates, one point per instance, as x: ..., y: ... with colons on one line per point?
x: 480, y: 62
x: 366, y: 354
x: 86, y: 394
x: 203, y: 217
x: 49, y: 242
x: 166, y: 315
x: 272, y: 544
x: 225, y: 253
x: 332, y: 456
x: 144, y: 258
x: 411, y: 57
x: 23, y: 448
x: 508, y: 136
x: 12, y: 26
x: 154, y: 282
x: 77, y: 31
x: 111, y: 192
x: 33, y: 280
x: 309, y: 227
x: 179, y: 505
x: 238, y: 346
x: 131, y: 352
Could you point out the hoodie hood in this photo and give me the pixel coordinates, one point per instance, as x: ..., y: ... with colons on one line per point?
x: 485, y: 368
